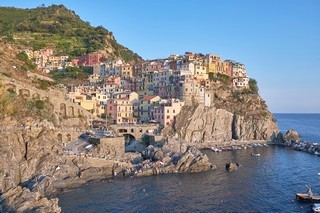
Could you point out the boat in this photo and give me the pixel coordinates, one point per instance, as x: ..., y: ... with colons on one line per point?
x: 255, y: 154
x: 308, y: 197
x: 215, y: 149
x: 318, y: 173
x: 316, y: 207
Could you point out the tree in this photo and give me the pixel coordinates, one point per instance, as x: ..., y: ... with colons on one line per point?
x: 253, y: 86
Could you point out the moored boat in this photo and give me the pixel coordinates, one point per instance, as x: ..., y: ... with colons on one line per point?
x: 309, y: 196
x: 255, y: 154
x: 214, y: 149
x: 316, y: 207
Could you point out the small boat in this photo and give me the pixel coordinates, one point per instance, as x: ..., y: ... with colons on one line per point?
x: 309, y: 196
x: 255, y: 154
x: 215, y: 149
x: 316, y: 207
x: 318, y: 173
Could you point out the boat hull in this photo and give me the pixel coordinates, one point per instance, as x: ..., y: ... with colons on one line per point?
x: 308, y: 198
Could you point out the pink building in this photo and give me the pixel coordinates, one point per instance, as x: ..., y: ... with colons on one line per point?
x: 112, y: 110
x: 166, y: 112
x: 113, y: 80
x: 89, y: 59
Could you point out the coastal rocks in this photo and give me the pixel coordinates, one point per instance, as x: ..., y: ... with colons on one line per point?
x: 292, y: 135
x: 21, y: 199
x: 193, y: 161
x: 230, y: 167
x: 278, y: 138
x: 169, y: 159
x: 203, y: 126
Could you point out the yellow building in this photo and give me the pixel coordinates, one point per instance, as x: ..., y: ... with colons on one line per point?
x: 146, y: 106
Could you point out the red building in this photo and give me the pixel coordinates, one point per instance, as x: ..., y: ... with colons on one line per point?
x: 89, y: 59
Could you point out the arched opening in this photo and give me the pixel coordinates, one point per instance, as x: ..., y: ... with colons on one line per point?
x: 59, y: 136
x: 70, y: 111
x: 63, y: 110
x: 132, y: 130
x: 68, y: 137
x: 122, y: 130
x: 24, y: 93
x: 129, y: 138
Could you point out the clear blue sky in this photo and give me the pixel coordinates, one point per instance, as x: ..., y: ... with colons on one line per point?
x: 278, y: 40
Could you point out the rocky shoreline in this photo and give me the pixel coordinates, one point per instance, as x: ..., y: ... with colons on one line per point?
x: 58, y: 173
x: 293, y: 140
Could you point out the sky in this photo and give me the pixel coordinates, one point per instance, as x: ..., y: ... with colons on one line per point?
x: 277, y: 40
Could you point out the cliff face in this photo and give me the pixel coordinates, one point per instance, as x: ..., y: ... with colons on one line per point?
x: 33, y: 167
x: 230, y: 117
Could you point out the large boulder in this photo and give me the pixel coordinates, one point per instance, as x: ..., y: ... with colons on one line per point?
x: 158, y: 155
x: 230, y: 167
x: 148, y: 153
x: 193, y: 161
x: 292, y: 135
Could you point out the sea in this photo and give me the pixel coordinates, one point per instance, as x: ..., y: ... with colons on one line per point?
x: 261, y: 184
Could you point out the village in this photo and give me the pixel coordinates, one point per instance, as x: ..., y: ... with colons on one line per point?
x: 152, y: 91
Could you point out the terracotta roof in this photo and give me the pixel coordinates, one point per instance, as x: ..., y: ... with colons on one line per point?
x: 148, y: 97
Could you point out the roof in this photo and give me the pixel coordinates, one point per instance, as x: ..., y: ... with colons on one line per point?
x: 148, y: 98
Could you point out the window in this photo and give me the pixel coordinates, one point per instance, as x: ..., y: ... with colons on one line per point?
x: 167, y: 111
x: 174, y: 111
x: 168, y: 116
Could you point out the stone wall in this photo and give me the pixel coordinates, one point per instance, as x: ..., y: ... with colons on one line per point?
x: 59, y: 100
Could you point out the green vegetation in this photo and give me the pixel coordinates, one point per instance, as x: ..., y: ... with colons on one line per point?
x: 7, y: 104
x: 28, y: 65
x: 220, y: 77
x: 39, y: 104
x: 58, y: 28
x: 253, y: 86
x: 43, y: 84
x: 71, y: 72
x: 6, y: 74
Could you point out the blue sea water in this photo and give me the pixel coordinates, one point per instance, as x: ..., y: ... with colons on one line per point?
x: 265, y: 184
x: 307, y: 125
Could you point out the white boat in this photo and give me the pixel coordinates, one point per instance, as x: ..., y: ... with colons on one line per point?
x: 316, y: 207
x: 215, y: 149
x: 318, y: 173
x: 255, y: 154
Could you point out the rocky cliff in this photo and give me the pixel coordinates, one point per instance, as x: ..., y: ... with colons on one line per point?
x: 231, y: 116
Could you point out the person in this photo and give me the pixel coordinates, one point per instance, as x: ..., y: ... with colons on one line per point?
x: 309, y: 191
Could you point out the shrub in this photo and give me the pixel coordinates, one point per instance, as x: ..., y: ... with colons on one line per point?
x: 39, y: 104
x: 22, y: 56
x: 253, y: 86
x: 7, y: 74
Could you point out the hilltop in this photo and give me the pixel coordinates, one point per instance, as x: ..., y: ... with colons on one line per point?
x: 61, y: 29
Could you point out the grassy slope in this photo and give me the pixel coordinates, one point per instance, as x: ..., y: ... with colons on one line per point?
x: 59, y: 28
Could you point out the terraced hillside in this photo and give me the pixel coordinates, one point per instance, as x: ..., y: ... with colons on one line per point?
x: 61, y: 29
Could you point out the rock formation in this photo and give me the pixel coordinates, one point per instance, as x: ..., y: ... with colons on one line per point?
x: 175, y: 156
x: 230, y: 167
x: 226, y: 119
x: 292, y: 135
